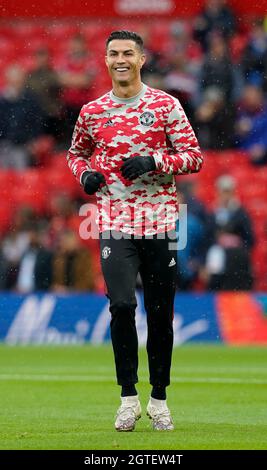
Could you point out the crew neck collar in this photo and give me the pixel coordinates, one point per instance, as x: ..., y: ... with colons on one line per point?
x: 132, y: 99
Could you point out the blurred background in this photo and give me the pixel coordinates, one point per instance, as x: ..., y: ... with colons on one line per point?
x: 212, y: 56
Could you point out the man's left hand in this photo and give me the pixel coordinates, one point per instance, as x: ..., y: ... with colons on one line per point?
x: 137, y: 166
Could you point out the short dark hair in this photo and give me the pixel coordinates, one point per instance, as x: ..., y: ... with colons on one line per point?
x: 123, y: 34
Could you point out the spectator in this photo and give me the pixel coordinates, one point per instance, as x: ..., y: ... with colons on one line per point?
x: 62, y: 210
x: 196, y: 207
x: 180, y: 82
x: 76, y: 72
x: 3, y: 270
x: 214, y: 121
x: 72, y: 266
x: 189, y: 258
x: 217, y: 69
x: 156, y: 63
x: 15, y: 244
x: 254, y: 58
x: 199, y: 234
x: 181, y: 40
x: 21, y: 120
x: 43, y: 81
x: 216, y: 16
x: 251, y: 124
x: 228, y: 265
x: 35, y: 267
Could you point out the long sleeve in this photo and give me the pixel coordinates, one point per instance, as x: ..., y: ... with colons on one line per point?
x: 185, y: 156
x: 81, y: 149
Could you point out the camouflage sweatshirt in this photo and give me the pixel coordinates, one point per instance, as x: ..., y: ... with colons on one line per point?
x: 152, y: 123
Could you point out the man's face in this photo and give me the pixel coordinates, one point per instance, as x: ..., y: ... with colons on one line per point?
x: 124, y: 60
x: 225, y: 196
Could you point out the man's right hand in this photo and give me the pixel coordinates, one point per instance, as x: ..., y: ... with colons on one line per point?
x: 91, y: 181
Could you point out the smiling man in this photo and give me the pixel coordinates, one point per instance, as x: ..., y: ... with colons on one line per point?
x: 124, y: 60
x: 127, y: 147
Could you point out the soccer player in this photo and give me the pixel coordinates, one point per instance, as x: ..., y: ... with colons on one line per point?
x: 127, y: 147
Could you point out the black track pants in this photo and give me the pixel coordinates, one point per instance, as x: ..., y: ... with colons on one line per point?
x: 155, y: 259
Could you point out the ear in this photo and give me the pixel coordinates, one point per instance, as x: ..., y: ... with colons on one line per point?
x: 106, y: 60
x: 142, y: 60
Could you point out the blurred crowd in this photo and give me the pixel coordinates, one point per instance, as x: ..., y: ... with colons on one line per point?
x: 216, y: 65
x: 46, y: 252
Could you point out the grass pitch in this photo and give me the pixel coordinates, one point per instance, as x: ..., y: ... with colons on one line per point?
x: 66, y: 398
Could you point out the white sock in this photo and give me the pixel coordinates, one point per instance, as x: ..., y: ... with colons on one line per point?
x: 158, y: 403
x: 130, y: 399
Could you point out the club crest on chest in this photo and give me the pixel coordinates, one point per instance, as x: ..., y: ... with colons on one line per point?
x: 147, y: 118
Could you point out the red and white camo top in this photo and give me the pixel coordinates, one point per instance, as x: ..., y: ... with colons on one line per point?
x: 152, y: 123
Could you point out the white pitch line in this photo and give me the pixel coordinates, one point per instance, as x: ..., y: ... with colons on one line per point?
x: 97, y: 378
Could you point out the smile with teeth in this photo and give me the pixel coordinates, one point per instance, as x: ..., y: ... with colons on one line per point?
x: 121, y: 69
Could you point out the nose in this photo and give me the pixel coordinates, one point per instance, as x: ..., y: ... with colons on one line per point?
x: 120, y: 59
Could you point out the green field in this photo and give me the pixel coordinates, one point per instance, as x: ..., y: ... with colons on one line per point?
x: 66, y: 398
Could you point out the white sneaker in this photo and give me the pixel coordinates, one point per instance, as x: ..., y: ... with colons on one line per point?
x: 161, y: 417
x: 127, y: 415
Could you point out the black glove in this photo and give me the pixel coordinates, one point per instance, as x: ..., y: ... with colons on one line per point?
x: 91, y: 181
x: 137, y: 166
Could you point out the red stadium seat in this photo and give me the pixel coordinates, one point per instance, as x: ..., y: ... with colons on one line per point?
x: 8, y: 180
x: 254, y: 191
x: 6, y: 214
x: 60, y: 180
x: 237, y: 44
x: 30, y: 190
x: 34, y: 198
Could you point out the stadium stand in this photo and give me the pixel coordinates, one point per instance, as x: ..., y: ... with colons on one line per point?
x: 48, y: 174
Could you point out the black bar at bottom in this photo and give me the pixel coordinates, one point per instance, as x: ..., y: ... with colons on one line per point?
x: 117, y: 459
